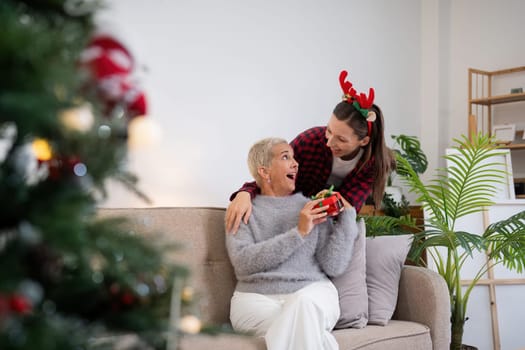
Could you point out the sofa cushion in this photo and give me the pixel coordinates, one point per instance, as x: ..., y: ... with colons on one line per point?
x: 385, y: 257
x: 221, y: 342
x: 395, y: 335
x: 351, y: 286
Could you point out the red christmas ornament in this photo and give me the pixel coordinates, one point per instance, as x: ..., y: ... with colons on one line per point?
x: 111, y: 65
x: 107, y: 57
x: 136, y: 102
x: 127, y: 298
x: 120, y: 91
x: 19, y: 304
x: 59, y: 167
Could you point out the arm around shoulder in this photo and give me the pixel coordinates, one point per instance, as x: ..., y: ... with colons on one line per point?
x: 239, y: 209
x: 250, y: 187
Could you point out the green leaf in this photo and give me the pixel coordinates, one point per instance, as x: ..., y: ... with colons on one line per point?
x: 506, y: 240
x: 412, y: 152
x: 388, y: 225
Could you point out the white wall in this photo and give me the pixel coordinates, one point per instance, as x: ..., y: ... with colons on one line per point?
x: 221, y: 75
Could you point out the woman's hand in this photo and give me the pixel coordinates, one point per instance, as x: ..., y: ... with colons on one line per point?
x: 239, y: 208
x: 310, y: 216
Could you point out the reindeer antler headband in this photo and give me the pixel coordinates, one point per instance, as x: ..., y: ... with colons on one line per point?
x: 361, y: 102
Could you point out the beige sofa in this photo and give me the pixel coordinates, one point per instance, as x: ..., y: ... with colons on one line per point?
x: 421, y: 320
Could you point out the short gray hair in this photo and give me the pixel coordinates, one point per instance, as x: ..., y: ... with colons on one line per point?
x: 260, y: 154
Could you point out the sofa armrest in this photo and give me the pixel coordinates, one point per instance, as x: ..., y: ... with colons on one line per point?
x: 424, y: 298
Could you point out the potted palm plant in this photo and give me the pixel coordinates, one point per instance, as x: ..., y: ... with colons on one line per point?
x: 465, y: 187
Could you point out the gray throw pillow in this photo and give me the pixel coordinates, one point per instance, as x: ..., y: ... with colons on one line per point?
x: 351, y: 285
x: 385, y: 257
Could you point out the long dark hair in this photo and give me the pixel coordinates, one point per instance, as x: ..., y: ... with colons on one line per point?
x: 384, y: 161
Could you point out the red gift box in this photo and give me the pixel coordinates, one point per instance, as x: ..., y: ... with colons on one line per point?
x: 335, y: 204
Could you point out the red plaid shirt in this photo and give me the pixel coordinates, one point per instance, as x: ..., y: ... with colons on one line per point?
x: 315, y: 165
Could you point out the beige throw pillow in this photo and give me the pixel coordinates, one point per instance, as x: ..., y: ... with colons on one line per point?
x: 385, y: 257
x: 351, y: 285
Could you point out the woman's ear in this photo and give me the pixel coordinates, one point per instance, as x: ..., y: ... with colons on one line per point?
x: 364, y: 141
x: 263, y: 173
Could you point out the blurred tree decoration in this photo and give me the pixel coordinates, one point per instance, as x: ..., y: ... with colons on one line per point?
x: 66, y: 98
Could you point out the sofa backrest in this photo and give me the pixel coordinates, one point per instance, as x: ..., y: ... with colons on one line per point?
x: 200, y: 232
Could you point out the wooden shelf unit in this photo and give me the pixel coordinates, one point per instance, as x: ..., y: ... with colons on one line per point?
x: 487, y: 101
x: 480, y: 94
x: 515, y: 146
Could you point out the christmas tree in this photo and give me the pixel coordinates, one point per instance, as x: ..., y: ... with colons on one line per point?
x: 68, y: 278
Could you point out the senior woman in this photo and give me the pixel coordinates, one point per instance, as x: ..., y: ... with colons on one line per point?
x: 284, y: 255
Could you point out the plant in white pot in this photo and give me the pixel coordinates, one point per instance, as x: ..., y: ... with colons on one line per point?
x: 466, y: 186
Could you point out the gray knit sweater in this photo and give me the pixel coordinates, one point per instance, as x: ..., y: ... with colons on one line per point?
x: 270, y: 256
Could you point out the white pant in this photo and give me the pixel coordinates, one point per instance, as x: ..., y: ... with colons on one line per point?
x: 298, y: 321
